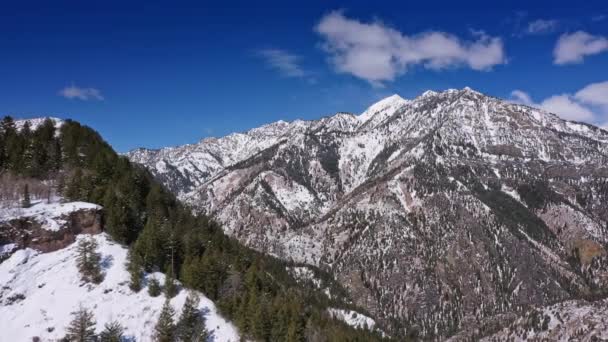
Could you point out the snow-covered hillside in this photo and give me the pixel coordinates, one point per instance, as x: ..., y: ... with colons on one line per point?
x: 50, y: 216
x: 39, y: 291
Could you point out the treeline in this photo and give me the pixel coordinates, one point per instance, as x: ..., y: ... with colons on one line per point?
x: 252, y: 290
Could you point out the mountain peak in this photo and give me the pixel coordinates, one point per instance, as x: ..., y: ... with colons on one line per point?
x: 382, y: 108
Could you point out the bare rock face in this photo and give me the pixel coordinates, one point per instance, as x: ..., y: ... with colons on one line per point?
x: 442, y: 214
x: 27, y: 232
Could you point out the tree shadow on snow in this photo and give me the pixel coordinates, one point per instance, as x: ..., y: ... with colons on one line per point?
x: 107, y: 261
x: 204, y: 312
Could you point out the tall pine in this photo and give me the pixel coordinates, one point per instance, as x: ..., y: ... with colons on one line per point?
x: 135, y: 269
x: 82, y: 327
x: 191, y: 325
x: 89, y: 261
x: 26, y: 203
x: 164, y: 331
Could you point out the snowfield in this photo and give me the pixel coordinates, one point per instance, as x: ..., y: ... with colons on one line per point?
x: 38, y: 293
x: 49, y: 215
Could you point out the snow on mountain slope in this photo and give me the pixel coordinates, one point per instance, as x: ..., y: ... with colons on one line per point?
x: 381, y: 110
x: 51, y: 216
x: 433, y: 212
x: 39, y: 291
x: 36, y: 122
x: 568, y: 321
x: 352, y: 318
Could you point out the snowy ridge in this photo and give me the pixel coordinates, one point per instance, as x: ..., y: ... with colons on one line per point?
x: 39, y: 292
x: 381, y: 110
x: 37, y: 122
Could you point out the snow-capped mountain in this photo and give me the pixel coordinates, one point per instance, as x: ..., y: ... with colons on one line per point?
x: 438, y: 213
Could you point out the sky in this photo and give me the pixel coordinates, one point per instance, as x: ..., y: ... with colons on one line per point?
x: 154, y: 74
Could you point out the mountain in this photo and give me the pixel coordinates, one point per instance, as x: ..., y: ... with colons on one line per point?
x: 60, y: 180
x: 451, y: 213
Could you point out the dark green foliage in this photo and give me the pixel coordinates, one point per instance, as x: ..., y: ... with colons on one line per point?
x: 134, y: 267
x: 112, y: 332
x: 89, y: 261
x: 154, y: 288
x: 536, y: 195
x: 29, y: 153
x: 164, y: 331
x: 26, y: 203
x: 191, y: 325
x: 82, y: 327
x: 516, y: 217
x: 170, y: 288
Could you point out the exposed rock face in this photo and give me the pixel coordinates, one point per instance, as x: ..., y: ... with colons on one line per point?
x: 26, y: 232
x: 436, y: 213
x: 568, y: 321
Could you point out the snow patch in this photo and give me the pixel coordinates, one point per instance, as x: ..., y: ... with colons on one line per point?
x: 51, y: 289
x: 49, y: 215
x: 352, y: 318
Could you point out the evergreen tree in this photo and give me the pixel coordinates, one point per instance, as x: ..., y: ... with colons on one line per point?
x: 27, y: 152
x: 154, y: 288
x: 149, y: 246
x: 191, y: 325
x: 89, y: 261
x: 164, y: 331
x: 134, y: 267
x: 82, y: 327
x: 112, y: 332
x: 26, y: 203
x: 9, y: 139
x: 170, y: 287
x: 73, y: 189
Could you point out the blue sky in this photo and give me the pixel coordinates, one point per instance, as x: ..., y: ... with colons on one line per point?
x: 157, y: 74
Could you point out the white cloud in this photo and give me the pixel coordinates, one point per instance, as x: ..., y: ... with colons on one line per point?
x: 573, y: 47
x: 589, y: 104
x: 594, y: 94
x: 567, y: 108
x: 283, y: 61
x: 541, y: 26
x: 84, y: 94
x: 378, y: 53
x: 522, y: 97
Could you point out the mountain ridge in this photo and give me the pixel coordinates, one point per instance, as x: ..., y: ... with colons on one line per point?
x: 344, y: 194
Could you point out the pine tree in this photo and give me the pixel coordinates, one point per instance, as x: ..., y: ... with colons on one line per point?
x: 112, y: 332
x: 191, y: 325
x: 9, y: 139
x: 82, y: 327
x: 134, y: 267
x: 170, y: 287
x: 89, y: 261
x: 154, y: 288
x: 149, y: 246
x: 26, y: 203
x: 73, y: 189
x: 165, y: 327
